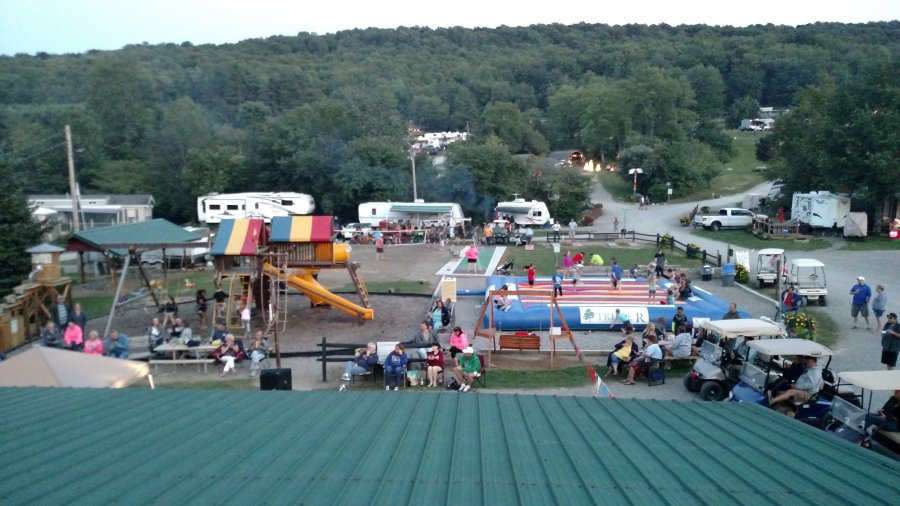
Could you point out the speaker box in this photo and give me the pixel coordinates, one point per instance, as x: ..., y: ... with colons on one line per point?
x: 275, y: 379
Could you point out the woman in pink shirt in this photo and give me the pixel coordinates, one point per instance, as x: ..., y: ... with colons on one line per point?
x: 93, y: 345
x: 472, y: 256
x: 73, y: 337
x: 458, y: 342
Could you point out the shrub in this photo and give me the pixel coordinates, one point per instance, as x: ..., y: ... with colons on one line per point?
x: 800, y: 325
x: 693, y: 250
x: 685, y: 220
x: 666, y: 241
x: 587, y: 221
x: 741, y: 274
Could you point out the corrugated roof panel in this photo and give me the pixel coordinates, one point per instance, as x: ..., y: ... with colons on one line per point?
x: 425, y: 208
x: 152, y: 232
x: 177, y: 447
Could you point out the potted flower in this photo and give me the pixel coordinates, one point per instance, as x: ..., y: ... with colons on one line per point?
x: 693, y: 250
x: 685, y: 220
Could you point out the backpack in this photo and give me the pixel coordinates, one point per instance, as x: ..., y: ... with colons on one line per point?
x: 453, y: 384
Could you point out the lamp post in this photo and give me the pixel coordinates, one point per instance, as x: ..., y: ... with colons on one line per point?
x: 635, y: 171
x: 412, y: 158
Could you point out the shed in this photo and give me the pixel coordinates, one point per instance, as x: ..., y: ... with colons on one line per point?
x: 414, y: 447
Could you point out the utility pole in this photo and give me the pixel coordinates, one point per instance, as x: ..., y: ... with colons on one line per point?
x: 73, y: 190
x: 413, y: 158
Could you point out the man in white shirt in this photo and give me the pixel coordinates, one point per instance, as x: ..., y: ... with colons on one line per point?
x: 555, y: 228
x: 680, y: 347
x: 806, y: 386
x: 572, y: 226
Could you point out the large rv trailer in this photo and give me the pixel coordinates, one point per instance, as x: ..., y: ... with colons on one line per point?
x: 213, y: 208
x: 820, y: 209
x: 419, y: 212
x: 521, y: 212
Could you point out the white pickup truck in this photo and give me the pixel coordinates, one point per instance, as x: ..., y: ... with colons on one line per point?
x: 729, y: 217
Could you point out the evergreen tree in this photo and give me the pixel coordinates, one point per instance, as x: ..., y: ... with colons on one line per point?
x: 18, y: 232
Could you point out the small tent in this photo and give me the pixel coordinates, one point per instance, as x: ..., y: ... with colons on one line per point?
x: 51, y: 367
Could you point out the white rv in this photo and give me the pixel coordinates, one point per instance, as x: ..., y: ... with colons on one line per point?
x: 418, y: 212
x: 820, y: 209
x: 213, y: 208
x: 522, y: 212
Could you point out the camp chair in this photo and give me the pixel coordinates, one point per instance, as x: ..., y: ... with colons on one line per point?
x: 483, y: 372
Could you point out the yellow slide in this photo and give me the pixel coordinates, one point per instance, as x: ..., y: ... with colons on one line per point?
x: 303, y: 281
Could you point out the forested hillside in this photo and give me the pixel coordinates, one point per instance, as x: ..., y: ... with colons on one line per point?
x: 330, y: 115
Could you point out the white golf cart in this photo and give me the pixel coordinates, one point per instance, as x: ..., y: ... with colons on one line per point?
x: 808, y: 277
x: 723, y: 353
x: 848, y: 417
x: 767, y: 262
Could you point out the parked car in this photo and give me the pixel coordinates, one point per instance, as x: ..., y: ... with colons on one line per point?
x: 729, y: 217
x: 352, y: 229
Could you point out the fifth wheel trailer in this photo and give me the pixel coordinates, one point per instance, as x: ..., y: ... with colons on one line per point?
x: 820, y: 209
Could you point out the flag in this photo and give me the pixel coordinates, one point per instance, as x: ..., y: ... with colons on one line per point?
x: 601, y: 390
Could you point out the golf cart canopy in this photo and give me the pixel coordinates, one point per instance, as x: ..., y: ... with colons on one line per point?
x: 806, y: 262
x: 873, y: 380
x: 744, y: 327
x: 790, y: 347
x: 770, y: 252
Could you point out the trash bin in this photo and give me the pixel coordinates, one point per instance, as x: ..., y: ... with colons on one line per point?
x: 706, y: 273
x: 728, y: 275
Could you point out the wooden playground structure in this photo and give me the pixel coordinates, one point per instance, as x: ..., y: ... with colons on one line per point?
x: 557, y: 332
x: 27, y: 309
x: 256, y: 263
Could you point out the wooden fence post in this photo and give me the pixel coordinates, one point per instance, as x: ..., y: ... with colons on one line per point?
x: 324, y: 363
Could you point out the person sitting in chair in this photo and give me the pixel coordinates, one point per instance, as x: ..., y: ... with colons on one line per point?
x: 434, y: 360
x: 888, y: 417
x: 395, y: 367
x: 806, y: 386
x: 680, y: 347
x: 624, y: 352
x: 50, y: 336
x: 228, y: 354
x: 643, y: 362
x: 259, y: 350
x: 790, y: 301
x: 365, y: 360
x: 118, y: 345
x: 468, y: 370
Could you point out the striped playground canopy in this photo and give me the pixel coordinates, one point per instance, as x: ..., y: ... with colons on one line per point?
x: 301, y: 229
x: 238, y: 237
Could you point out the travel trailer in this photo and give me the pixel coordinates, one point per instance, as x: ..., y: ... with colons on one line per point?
x: 213, y: 208
x: 522, y: 212
x: 418, y: 212
x: 820, y: 209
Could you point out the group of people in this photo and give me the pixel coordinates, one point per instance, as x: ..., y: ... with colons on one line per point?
x: 430, y: 353
x: 66, y: 329
x: 861, y: 297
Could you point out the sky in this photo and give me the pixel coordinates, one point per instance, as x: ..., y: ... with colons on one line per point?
x: 76, y: 26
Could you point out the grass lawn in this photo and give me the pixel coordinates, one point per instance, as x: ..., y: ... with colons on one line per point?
x: 97, y: 302
x: 545, y: 260
x: 826, y: 327
x: 872, y: 243
x: 746, y: 240
x: 737, y: 175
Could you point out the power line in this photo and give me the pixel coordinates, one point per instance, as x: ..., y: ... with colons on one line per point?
x: 4, y: 154
x: 15, y: 161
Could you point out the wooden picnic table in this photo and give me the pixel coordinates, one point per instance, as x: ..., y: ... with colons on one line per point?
x: 199, y: 355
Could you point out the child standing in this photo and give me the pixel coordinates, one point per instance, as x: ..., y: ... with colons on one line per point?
x: 651, y: 287
x: 245, y: 318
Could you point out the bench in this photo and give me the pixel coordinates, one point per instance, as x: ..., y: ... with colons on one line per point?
x: 517, y: 342
x: 669, y: 359
x: 181, y: 361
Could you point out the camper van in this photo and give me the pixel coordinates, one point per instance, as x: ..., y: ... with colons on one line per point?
x: 522, y: 212
x: 820, y: 209
x: 214, y: 207
x: 418, y: 212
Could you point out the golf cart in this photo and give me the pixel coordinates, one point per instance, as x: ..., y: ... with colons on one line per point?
x: 767, y: 262
x: 757, y: 381
x: 808, y: 277
x: 723, y: 353
x: 848, y: 419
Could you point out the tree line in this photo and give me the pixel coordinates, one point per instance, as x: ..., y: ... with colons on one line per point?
x: 331, y: 115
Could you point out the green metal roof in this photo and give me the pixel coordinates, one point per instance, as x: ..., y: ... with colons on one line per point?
x: 143, y: 234
x: 136, y: 446
x: 415, y: 207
